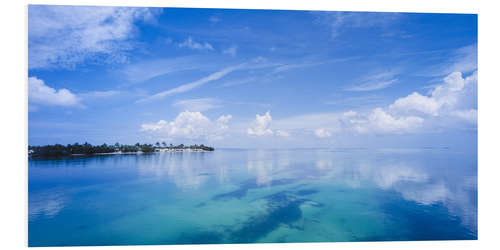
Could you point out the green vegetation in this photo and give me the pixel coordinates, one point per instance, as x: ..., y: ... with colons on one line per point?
x: 183, y: 147
x: 59, y: 150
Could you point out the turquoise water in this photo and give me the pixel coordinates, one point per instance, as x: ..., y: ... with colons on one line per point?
x: 246, y: 196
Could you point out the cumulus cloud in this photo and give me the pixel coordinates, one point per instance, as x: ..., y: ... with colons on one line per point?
x: 416, y: 102
x: 454, y: 98
x: 322, y: 133
x: 189, y: 43
x: 261, y: 125
x: 350, y: 113
x: 447, y: 97
x: 282, y: 133
x: 224, y: 118
x: 189, y: 125
x: 63, y: 36
x: 41, y: 94
x: 381, y: 121
x: 469, y: 115
x: 451, y: 104
x: 222, y: 122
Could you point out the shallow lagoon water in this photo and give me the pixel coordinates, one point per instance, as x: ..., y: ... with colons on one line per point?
x: 246, y: 196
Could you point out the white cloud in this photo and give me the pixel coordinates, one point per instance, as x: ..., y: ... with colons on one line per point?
x: 189, y: 125
x: 238, y: 82
x: 231, y: 50
x: 46, y: 204
x: 224, y: 118
x: 261, y: 126
x: 189, y: 86
x: 189, y: 43
x: 376, y: 81
x: 322, y: 133
x: 63, y: 36
x: 379, y: 121
x: 290, y: 66
x: 197, y: 104
x: 388, y: 176
x: 469, y: 115
x: 340, y: 21
x: 446, y: 104
x: 455, y: 92
x: 100, y: 94
x: 350, y: 113
x: 282, y: 133
x: 145, y: 70
x: 373, y: 85
x: 41, y: 94
x: 464, y: 60
x: 214, y: 19
x: 425, y: 194
x: 222, y: 123
x: 416, y: 102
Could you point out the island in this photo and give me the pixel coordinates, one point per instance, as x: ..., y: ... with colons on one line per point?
x: 59, y: 150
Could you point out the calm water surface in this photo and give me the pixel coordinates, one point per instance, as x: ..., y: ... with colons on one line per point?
x: 244, y: 196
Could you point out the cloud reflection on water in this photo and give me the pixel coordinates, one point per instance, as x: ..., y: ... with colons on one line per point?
x: 413, y: 179
x: 45, y: 204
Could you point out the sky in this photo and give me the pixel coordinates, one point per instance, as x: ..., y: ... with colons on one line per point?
x: 251, y: 78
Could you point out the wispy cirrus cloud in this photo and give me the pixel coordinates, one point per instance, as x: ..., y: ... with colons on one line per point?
x: 197, y: 104
x: 376, y: 81
x: 145, y: 70
x: 447, y: 61
x: 290, y: 66
x: 373, y: 85
x: 63, y: 36
x: 192, y: 85
x: 462, y: 60
x: 101, y: 94
x: 339, y: 22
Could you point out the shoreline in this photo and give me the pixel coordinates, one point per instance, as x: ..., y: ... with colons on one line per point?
x: 188, y: 150
x: 140, y: 152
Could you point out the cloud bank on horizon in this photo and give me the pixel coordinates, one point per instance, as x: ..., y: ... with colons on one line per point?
x: 106, y: 74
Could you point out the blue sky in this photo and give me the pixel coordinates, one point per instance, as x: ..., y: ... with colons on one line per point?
x: 251, y: 78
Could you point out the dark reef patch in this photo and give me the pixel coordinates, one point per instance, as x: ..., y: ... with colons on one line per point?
x: 422, y: 223
x: 201, y: 204
x: 306, y: 192
x: 283, y: 208
x: 239, y: 193
x: 247, y: 185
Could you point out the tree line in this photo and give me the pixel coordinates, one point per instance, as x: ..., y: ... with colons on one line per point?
x: 59, y: 150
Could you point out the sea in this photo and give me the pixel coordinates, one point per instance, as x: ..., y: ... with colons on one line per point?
x: 253, y: 196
